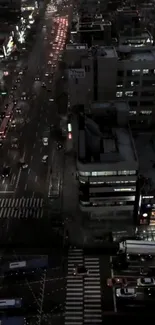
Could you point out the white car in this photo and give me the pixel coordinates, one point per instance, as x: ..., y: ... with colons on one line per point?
x: 45, y: 141
x: 145, y: 282
x: 44, y: 159
x: 25, y: 166
x: 126, y: 292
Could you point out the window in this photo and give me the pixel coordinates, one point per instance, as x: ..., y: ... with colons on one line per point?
x: 135, y: 72
x: 145, y: 71
x: 133, y: 103
x: 146, y: 112
x: 134, y: 83
x: 129, y: 93
x: 119, y: 94
x: 87, y: 68
x: 132, y: 112
x: 84, y: 173
x: 127, y: 172
x: 120, y: 73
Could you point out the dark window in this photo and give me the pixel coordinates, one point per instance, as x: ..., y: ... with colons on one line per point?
x: 87, y: 68
x: 120, y: 73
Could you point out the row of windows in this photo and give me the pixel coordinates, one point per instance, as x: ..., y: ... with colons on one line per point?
x: 149, y: 112
x: 134, y: 103
x: 134, y: 72
x: 105, y: 204
x: 131, y: 93
x: 109, y: 173
x: 129, y: 83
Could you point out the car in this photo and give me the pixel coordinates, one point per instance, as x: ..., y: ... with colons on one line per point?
x: 18, y: 110
x: 59, y: 146
x: 49, y: 62
x: 1, y: 144
x: 43, y: 85
x: 18, y: 80
x: 14, y: 87
x: 44, y: 159
x: 80, y: 270
x: 45, y: 141
x: 14, y: 145
x: 13, y: 124
x: 126, y: 292
x: 2, y: 114
x: 37, y: 79
x: 23, y: 96
x: 51, y: 99
x: 6, y: 171
x: 145, y: 282
x: 24, y: 166
x: 116, y: 281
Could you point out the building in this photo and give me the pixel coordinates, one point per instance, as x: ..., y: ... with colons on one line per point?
x: 94, y: 32
x: 107, y: 162
x: 135, y: 38
x: 10, y: 10
x: 107, y: 73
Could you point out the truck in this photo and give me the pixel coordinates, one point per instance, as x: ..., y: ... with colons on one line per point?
x: 137, y: 247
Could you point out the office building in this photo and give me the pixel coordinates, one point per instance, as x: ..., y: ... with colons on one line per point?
x: 135, y: 38
x: 107, y: 73
x: 107, y: 162
x: 96, y: 31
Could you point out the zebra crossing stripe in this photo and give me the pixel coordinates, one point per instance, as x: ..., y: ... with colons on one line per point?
x: 21, y: 208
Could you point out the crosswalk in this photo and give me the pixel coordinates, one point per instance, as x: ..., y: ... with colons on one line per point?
x: 83, y: 294
x: 20, y: 208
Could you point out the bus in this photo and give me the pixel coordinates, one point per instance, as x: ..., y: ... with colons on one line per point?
x: 4, y: 127
x: 137, y: 247
x: 9, y: 110
x: 10, y: 303
x: 19, y: 270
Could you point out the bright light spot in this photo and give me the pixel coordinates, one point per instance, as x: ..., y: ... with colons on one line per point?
x: 70, y: 136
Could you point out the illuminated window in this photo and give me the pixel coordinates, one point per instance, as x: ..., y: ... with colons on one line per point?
x: 119, y: 94
x: 146, y: 112
x: 132, y: 112
x: 137, y: 71
x: 145, y: 71
x: 129, y: 93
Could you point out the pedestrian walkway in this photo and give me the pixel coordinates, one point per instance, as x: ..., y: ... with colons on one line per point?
x: 92, y: 292
x: 83, y: 293
x: 74, y: 290
x: 20, y: 208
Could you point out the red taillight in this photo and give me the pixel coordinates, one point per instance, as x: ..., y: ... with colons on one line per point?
x: 69, y: 136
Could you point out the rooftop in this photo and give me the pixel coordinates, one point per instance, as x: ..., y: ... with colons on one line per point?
x: 12, y: 321
x: 104, y: 135
x: 137, y: 54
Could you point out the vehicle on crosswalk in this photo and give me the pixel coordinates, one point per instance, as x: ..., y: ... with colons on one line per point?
x: 6, y: 172
x: 80, y: 270
x: 126, y: 292
x: 145, y: 282
x: 22, y: 164
x: 116, y: 281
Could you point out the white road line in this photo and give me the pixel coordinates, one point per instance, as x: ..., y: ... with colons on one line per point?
x: 34, y: 145
x: 25, y: 188
x: 29, y: 171
x: 31, y: 158
x: 36, y: 178
x: 6, y: 192
x: 113, y: 289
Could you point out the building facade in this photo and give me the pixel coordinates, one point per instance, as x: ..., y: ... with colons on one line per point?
x: 107, y: 163
x: 107, y: 73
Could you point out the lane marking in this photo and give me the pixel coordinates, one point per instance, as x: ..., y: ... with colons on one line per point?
x: 7, y: 192
x: 36, y: 178
x: 29, y: 171
x: 34, y: 145
x: 31, y: 158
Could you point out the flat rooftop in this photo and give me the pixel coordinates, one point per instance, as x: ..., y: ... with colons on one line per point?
x: 145, y: 146
x: 136, y: 35
x: 101, y: 139
x: 137, y: 54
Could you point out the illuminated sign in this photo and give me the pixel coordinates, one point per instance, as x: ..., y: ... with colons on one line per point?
x: 76, y: 47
